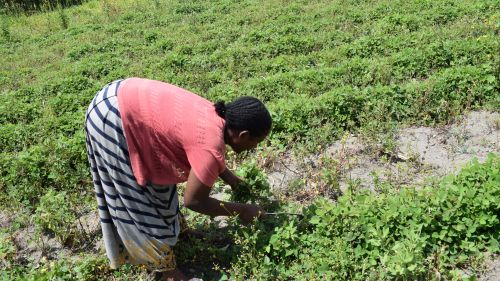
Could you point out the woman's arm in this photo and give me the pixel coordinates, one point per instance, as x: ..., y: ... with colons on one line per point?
x: 197, y: 198
x: 230, y: 178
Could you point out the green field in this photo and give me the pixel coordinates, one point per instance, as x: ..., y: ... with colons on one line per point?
x: 322, y: 67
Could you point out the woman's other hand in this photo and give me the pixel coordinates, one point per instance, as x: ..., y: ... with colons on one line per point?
x: 250, y: 212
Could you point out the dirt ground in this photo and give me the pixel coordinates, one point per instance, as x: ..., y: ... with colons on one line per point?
x: 493, y: 271
x: 420, y: 153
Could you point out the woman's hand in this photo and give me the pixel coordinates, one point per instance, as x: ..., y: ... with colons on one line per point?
x: 250, y: 212
x: 197, y: 198
x: 236, y: 183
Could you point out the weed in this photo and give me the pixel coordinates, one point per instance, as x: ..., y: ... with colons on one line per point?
x: 63, y: 17
x: 255, y: 188
x: 54, y: 214
x: 78, y: 268
x: 157, y: 3
x: 6, y: 35
x: 7, y: 249
x: 330, y: 174
x: 109, y: 9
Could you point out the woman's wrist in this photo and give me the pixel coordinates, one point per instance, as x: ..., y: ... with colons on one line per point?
x: 214, y: 207
x: 232, y: 208
x: 230, y: 178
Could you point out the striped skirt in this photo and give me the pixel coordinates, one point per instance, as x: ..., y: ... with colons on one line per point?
x: 139, y: 223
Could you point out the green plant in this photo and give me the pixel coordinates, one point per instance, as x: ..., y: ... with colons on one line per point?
x: 7, y: 249
x: 410, y: 234
x: 254, y: 188
x: 63, y: 17
x: 7, y: 36
x: 330, y: 174
x: 54, y: 213
x: 31, y: 5
x: 109, y: 9
x: 85, y: 268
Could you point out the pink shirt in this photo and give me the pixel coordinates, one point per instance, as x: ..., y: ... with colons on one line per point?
x: 170, y: 131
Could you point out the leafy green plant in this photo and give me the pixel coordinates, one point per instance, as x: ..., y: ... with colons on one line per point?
x: 7, y: 36
x: 254, y: 188
x: 410, y: 234
x: 86, y: 268
x: 330, y: 174
x: 7, y: 249
x: 63, y: 17
x: 54, y: 213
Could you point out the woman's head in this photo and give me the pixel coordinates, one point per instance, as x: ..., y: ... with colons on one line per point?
x: 248, y: 122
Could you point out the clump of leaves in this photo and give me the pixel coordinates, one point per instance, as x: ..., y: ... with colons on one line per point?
x: 83, y: 267
x: 7, y: 249
x: 255, y: 188
x: 54, y: 214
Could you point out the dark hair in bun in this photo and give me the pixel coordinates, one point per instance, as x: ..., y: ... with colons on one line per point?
x: 220, y: 108
x: 245, y: 113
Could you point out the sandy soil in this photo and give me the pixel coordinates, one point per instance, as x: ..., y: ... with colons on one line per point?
x: 493, y: 271
x: 420, y: 153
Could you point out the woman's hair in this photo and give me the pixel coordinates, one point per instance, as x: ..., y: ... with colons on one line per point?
x: 245, y: 113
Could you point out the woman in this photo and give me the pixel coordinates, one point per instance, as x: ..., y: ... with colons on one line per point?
x: 144, y: 137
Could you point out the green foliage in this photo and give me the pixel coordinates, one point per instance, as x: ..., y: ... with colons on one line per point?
x: 322, y: 68
x: 55, y: 214
x: 412, y: 234
x: 7, y: 249
x: 255, y: 188
x: 63, y: 17
x: 26, y: 176
x: 86, y: 268
x: 59, y: 164
x: 5, y: 29
x: 30, y: 5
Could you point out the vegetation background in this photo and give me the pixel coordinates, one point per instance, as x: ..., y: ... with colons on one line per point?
x: 323, y: 68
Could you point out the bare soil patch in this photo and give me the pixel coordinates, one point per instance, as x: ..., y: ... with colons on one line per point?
x: 420, y: 153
